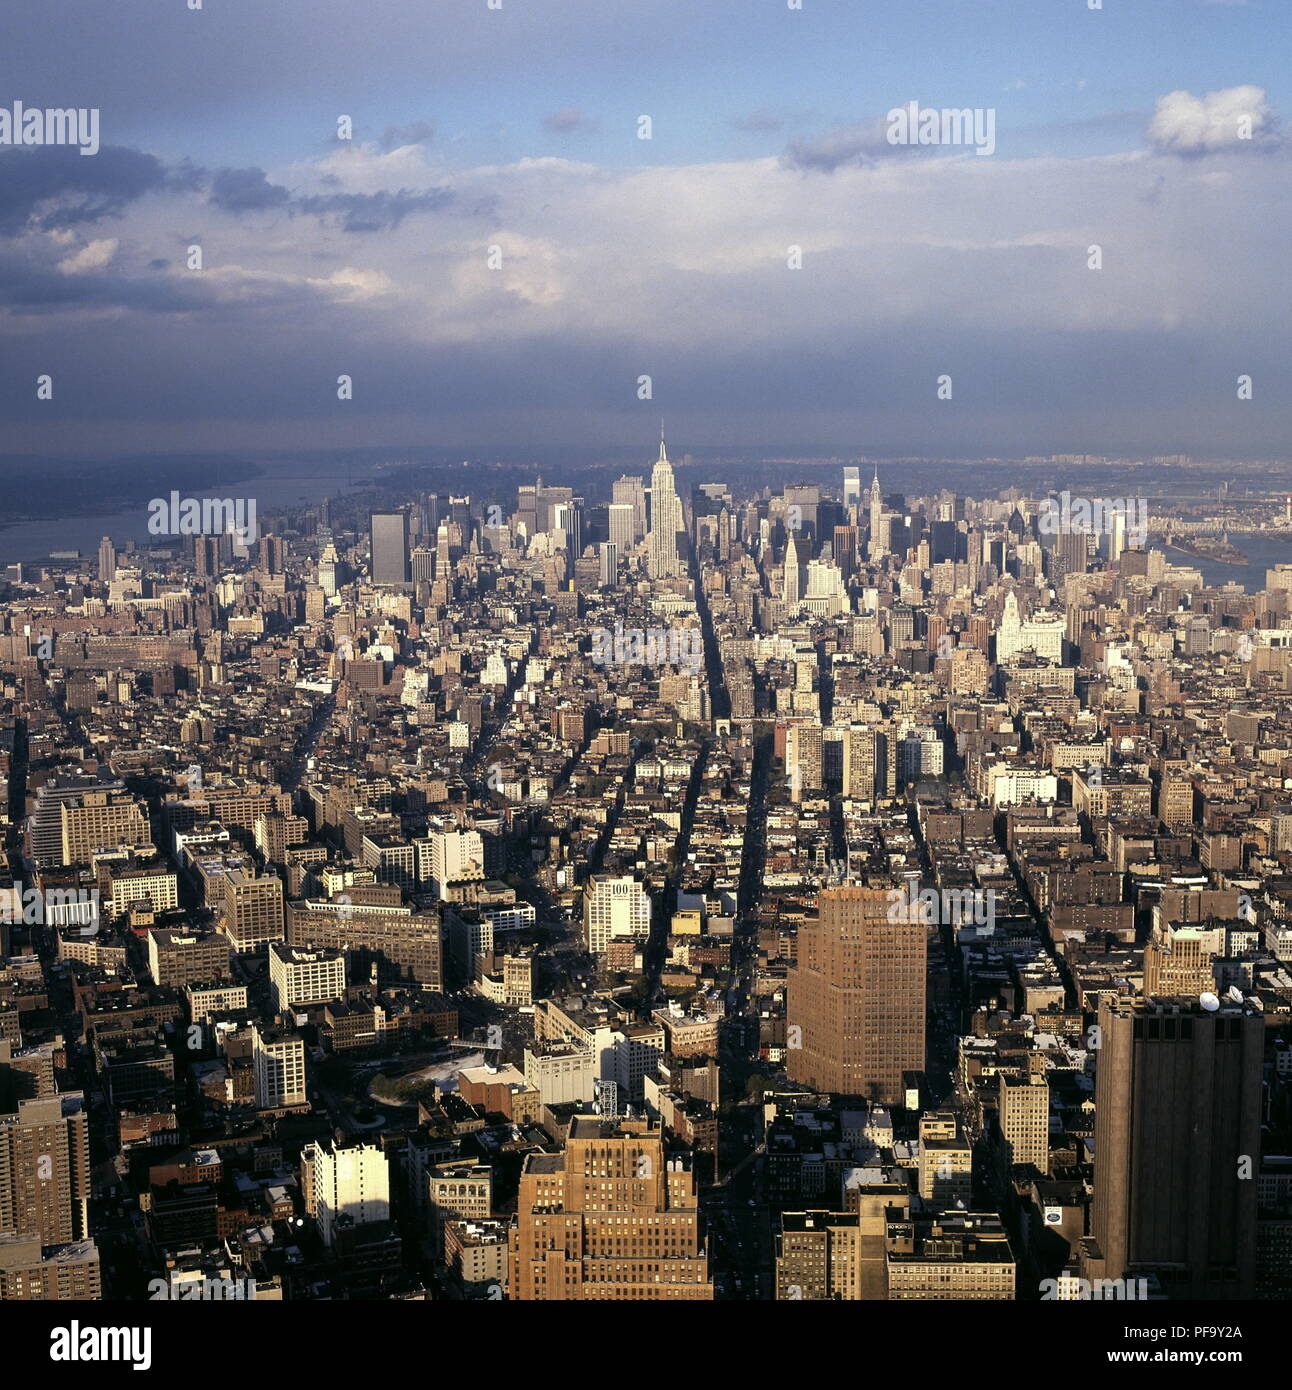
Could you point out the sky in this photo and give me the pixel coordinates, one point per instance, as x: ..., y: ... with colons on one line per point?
x: 496, y: 257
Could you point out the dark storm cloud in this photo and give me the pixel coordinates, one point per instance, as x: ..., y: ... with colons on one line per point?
x: 373, y: 212
x: 28, y: 287
x: 246, y: 190
x: 53, y: 188
x: 238, y: 191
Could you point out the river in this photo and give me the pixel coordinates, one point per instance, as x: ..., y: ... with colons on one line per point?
x: 1264, y: 551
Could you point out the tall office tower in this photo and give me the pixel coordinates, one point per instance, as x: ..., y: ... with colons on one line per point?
x: 1114, y: 540
x: 422, y: 565
x: 622, y: 525
x: 1177, y: 1146
x: 614, y: 909
x: 107, y: 560
x: 278, y: 1056
x: 844, y: 546
x: 802, y: 503
x: 610, y: 1217
x: 345, y: 1186
x: 1024, y: 1110
x: 273, y: 554
x: 851, y: 488
x: 665, y: 519
x: 329, y: 570
x: 804, y: 759
x: 859, y: 753
x: 388, y: 535
x: 792, y: 591
x: 878, y: 535
x: 608, y: 566
x: 1071, y: 552
x: 45, y: 1170
x: 206, y: 556
x: 631, y: 492
x: 443, y: 551
x: 856, y: 997
x: 567, y: 519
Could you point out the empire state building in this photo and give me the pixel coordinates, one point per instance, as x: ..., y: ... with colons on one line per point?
x: 665, y: 519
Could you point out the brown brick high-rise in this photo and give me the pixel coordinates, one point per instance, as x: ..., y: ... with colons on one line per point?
x: 1177, y: 1146
x: 855, y: 1011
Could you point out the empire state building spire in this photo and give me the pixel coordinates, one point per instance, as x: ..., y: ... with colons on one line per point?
x: 663, y: 456
x: 664, y: 557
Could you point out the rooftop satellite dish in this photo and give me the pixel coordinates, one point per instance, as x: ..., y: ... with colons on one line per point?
x: 1209, y: 1002
x: 1234, y: 994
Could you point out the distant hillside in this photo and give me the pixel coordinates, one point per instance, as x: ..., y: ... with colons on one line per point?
x: 38, y: 489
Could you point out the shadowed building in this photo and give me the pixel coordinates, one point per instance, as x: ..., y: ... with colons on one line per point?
x: 1177, y: 1146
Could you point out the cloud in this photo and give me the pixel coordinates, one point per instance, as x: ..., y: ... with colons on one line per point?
x: 93, y: 256
x: 246, y: 190
x: 54, y: 187
x: 415, y: 133
x: 565, y: 121
x: 240, y: 191
x: 373, y: 212
x: 911, y: 268
x: 843, y: 147
x: 1235, y: 118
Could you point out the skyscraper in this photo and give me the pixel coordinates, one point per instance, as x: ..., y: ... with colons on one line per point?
x: 390, y: 547
x: 855, y: 1009
x: 851, y: 487
x: 665, y: 519
x: 1177, y: 1146
x: 107, y: 560
x: 878, y: 541
x: 631, y: 492
x: 792, y: 590
x: 608, y: 568
x: 622, y: 526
